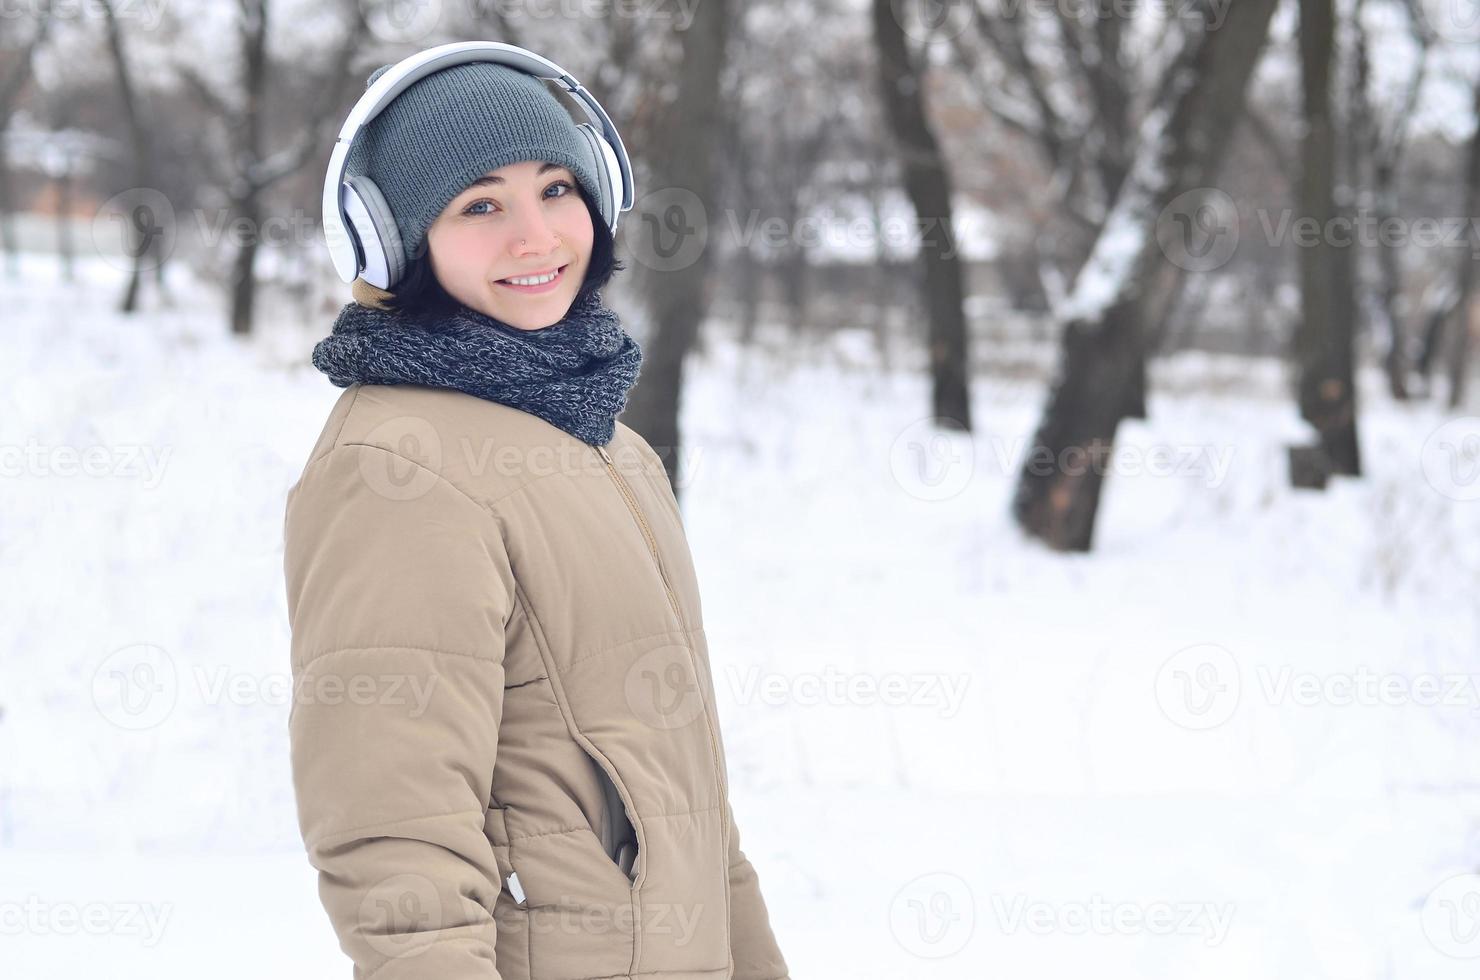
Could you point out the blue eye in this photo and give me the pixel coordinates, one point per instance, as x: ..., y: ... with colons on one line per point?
x: 568, y: 188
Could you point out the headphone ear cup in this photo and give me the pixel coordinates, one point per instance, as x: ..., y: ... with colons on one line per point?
x: 614, y: 177
x: 382, y: 255
x: 608, y: 173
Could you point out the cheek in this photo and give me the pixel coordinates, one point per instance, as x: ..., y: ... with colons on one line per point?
x: 576, y: 229
x: 460, y: 250
x: 585, y: 240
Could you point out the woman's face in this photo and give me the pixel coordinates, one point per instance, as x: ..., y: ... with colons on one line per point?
x: 523, y: 221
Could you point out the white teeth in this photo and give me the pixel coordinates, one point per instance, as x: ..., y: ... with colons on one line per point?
x: 533, y: 280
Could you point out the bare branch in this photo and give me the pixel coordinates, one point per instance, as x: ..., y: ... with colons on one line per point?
x: 1006, y: 38
x: 20, y: 73
x: 203, y: 92
x: 1012, y: 114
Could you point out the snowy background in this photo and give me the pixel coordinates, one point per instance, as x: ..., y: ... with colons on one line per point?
x: 1236, y: 741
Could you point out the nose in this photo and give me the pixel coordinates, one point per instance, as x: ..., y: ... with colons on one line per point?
x: 531, y: 234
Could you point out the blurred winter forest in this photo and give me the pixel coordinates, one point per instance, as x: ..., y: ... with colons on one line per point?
x: 1116, y: 357
x: 1019, y: 186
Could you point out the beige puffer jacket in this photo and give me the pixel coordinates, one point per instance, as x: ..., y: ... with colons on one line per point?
x: 505, y: 747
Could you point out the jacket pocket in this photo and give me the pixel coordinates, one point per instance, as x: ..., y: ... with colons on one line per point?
x: 616, y: 831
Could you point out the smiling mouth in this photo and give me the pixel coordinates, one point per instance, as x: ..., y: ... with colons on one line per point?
x: 551, y: 279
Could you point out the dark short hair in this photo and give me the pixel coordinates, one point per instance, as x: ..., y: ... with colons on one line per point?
x: 419, y: 291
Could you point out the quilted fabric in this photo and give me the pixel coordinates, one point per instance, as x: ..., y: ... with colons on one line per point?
x: 496, y: 632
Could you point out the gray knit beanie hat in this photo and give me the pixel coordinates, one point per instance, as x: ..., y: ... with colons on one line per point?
x: 452, y: 127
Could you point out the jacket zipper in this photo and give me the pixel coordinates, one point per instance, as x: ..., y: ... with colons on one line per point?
x: 652, y: 544
x: 647, y: 535
x: 709, y: 722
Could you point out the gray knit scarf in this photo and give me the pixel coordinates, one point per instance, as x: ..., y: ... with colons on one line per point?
x: 574, y: 374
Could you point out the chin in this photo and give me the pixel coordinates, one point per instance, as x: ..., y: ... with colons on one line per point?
x: 557, y: 307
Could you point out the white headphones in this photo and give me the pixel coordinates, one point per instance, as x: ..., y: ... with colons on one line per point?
x: 361, y: 233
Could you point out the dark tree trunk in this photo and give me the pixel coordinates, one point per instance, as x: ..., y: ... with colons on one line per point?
x: 1435, y: 314
x: 141, y: 249
x: 750, y: 274
x: 1324, y: 338
x: 1362, y: 137
x: 243, y: 277
x: 1105, y: 337
x: 679, y: 297
x: 928, y: 184
x: 248, y: 199
x: 750, y: 280
x: 1385, y: 146
x: 65, y: 247
x: 791, y: 270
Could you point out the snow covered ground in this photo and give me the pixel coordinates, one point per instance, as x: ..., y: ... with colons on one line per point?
x: 1237, y: 741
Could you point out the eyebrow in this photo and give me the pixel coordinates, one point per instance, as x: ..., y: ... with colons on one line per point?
x: 487, y: 179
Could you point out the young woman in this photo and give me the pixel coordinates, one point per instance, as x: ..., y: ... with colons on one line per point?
x: 505, y: 747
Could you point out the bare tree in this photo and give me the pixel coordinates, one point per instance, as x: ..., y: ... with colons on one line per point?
x: 1087, y: 137
x: 144, y: 247
x: 13, y: 82
x: 1381, y: 143
x: 682, y: 159
x: 927, y: 181
x: 1178, y: 149
x: 251, y: 170
x: 772, y: 147
x: 1087, y: 141
x: 786, y: 167
x: 1464, y: 290
x: 1324, y: 336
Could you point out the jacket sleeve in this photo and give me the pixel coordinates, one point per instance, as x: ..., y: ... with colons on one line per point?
x: 399, y: 589
x: 752, y: 946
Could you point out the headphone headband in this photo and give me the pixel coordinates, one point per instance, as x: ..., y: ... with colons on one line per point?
x: 407, y: 72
